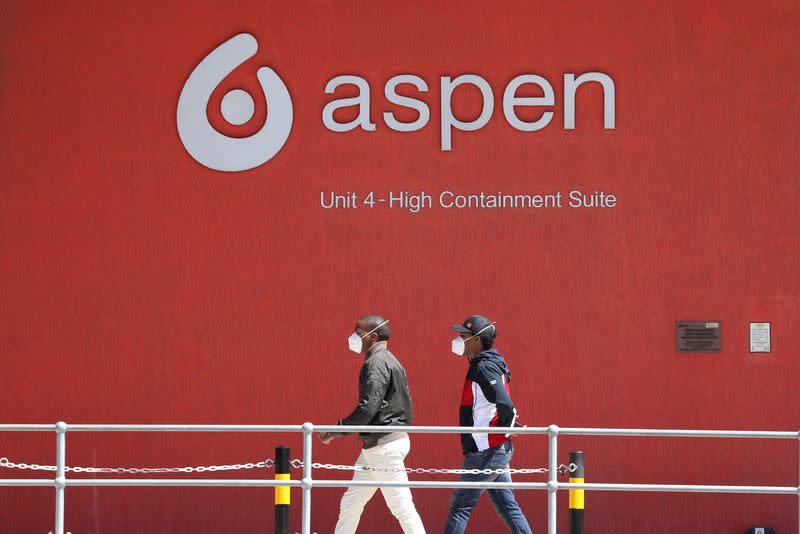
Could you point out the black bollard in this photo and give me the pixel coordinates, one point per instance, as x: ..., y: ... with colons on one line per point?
x: 282, y: 493
x: 576, y: 496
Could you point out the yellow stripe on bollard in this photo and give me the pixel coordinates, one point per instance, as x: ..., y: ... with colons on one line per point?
x: 282, y: 493
x: 576, y: 496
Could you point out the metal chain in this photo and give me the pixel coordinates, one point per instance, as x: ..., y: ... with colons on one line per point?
x: 296, y: 464
x: 265, y: 464
x: 563, y: 469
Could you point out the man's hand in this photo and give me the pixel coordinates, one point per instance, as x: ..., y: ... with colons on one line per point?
x: 326, y: 437
x: 517, y: 424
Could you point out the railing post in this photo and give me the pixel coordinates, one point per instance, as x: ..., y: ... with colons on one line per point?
x: 308, y: 435
x: 576, y: 503
x: 282, y: 493
x: 552, y: 484
x: 60, y: 480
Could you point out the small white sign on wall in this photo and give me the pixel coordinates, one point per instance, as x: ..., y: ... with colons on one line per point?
x: 760, y: 337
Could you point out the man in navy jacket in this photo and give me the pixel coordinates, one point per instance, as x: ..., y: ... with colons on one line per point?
x: 485, y: 402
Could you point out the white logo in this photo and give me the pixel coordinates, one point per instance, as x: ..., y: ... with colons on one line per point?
x: 218, y: 151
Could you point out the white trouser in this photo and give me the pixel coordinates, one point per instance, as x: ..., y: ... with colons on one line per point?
x: 387, y: 456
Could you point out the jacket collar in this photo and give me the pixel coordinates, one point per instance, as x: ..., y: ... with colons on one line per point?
x: 378, y: 346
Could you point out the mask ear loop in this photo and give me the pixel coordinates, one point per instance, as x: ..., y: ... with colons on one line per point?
x: 476, y: 333
x: 380, y: 325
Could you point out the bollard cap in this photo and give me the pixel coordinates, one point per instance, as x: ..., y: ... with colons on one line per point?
x: 576, y: 457
x: 282, y: 454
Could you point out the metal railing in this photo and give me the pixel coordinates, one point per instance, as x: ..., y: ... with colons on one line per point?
x: 552, y: 486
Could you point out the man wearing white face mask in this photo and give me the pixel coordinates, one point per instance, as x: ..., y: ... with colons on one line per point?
x: 485, y: 402
x: 383, y: 400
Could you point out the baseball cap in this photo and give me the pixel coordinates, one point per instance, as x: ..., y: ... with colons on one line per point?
x: 474, y: 324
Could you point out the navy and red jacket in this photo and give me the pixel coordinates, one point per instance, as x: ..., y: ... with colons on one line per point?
x: 486, y: 401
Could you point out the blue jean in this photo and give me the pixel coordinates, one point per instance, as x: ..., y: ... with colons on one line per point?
x: 464, y: 499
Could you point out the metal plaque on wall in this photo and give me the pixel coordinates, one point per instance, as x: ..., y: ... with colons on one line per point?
x: 698, y: 336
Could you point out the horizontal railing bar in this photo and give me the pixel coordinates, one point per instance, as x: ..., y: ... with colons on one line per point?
x: 639, y: 432
x: 27, y: 482
x: 297, y: 483
x: 430, y: 429
x: 427, y: 484
x: 662, y: 488
x: 675, y: 433
x: 187, y: 482
x: 269, y: 428
x: 28, y: 428
x: 184, y: 428
x: 683, y: 488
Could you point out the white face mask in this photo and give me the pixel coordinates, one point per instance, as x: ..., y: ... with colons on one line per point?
x: 356, y: 342
x: 458, y: 346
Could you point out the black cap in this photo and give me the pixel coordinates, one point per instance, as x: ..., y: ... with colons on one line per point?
x: 474, y: 324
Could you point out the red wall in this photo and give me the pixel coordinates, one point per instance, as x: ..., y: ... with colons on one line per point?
x: 140, y: 287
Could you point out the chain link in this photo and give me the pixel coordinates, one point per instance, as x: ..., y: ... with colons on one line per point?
x: 564, y: 469
x: 265, y: 464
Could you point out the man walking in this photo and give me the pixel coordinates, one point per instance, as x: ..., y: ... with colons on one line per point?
x: 485, y: 402
x: 383, y: 400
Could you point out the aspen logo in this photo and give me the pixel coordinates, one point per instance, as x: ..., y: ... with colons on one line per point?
x: 207, y: 145
x: 529, y: 93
